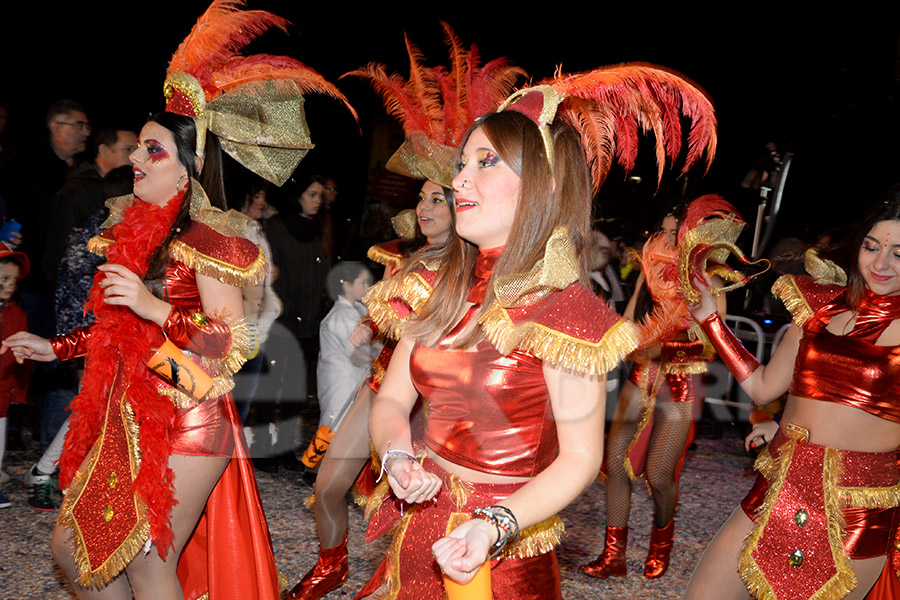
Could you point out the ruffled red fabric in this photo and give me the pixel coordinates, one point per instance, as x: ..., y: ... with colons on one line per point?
x: 122, y: 342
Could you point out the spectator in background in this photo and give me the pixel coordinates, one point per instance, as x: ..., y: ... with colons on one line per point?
x: 13, y: 376
x: 76, y: 275
x: 342, y: 367
x: 82, y: 195
x: 301, y: 251
x: 261, y: 304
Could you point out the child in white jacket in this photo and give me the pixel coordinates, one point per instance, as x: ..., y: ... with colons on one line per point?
x: 342, y: 368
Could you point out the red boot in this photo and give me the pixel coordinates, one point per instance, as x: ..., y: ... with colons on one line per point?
x: 660, y: 549
x: 329, y: 573
x: 611, y: 562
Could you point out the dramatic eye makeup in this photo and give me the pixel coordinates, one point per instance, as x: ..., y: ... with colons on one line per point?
x: 157, y: 152
x: 487, y: 158
x: 435, y: 198
x: 463, y: 159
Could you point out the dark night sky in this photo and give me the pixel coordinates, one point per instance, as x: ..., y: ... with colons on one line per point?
x: 823, y: 87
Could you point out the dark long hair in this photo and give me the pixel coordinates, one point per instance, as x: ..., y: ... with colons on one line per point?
x: 885, y: 208
x: 184, y: 132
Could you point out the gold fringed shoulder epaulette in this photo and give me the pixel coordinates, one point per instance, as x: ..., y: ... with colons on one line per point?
x: 232, y: 260
x: 393, y: 301
x: 387, y: 254
x: 99, y: 244
x: 803, y: 296
x: 571, y: 329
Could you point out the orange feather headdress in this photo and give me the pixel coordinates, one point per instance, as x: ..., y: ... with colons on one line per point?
x: 610, y: 106
x: 437, y: 105
x: 253, y: 103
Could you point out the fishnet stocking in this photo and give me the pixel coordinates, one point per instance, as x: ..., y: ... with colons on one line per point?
x: 671, y: 424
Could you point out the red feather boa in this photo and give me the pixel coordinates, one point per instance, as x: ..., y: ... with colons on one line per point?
x: 121, y: 343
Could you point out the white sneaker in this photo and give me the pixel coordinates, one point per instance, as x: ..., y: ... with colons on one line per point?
x: 32, y: 477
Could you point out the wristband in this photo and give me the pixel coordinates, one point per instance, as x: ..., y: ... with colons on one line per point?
x: 505, y: 521
x: 386, y: 459
x: 738, y: 359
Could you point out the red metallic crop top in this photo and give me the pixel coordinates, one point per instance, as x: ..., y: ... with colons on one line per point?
x: 487, y: 411
x: 850, y: 369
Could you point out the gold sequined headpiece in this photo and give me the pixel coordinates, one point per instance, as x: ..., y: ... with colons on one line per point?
x: 610, y: 106
x: 437, y: 106
x: 706, y: 238
x: 254, y: 103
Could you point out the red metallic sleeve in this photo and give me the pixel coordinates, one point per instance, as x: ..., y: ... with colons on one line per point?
x: 71, y: 345
x: 192, y: 330
x: 738, y: 359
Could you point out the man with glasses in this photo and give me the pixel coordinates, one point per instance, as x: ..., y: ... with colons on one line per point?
x: 69, y: 130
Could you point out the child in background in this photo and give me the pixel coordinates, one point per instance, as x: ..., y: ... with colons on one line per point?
x: 13, y: 376
x: 342, y: 367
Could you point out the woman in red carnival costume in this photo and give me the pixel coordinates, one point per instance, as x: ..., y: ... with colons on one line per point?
x: 821, y: 516
x: 652, y: 427
x: 507, y: 346
x: 158, y: 481
x: 434, y: 124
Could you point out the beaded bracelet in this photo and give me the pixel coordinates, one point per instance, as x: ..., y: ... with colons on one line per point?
x: 505, y: 521
x: 386, y: 459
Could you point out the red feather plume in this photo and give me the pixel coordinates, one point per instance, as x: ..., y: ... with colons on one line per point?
x: 438, y: 102
x: 608, y: 105
x: 210, y: 53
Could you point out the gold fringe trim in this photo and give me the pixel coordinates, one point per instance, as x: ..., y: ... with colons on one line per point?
x: 411, y: 289
x: 648, y: 406
x: 393, y: 555
x: 283, y: 582
x: 212, y: 267
x: 460, y: 490
x: 557, y: 348
x: 374, y: 502
x: 533, y: 541
x: 868, y: 497
x: 748, y: 569
x: 693, y: 368
x: 222, y: 384
x: 383, y: 257
x: 538, y: 539
x: 765, y: 465
x: 140, y: 533
x: 99, y: 245
x: 359, y: 498
x: 785, y: 289
x: 844, y: 580
x: 242, y: 343
x: 310, y: 502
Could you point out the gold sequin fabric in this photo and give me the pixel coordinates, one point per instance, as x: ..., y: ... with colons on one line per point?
x: 796, y: 548
x: 420, y: 157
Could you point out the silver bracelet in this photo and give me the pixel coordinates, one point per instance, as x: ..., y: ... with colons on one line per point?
x: 505, y: 521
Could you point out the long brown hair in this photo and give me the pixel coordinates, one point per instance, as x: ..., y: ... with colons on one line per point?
x: 548, y: 199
